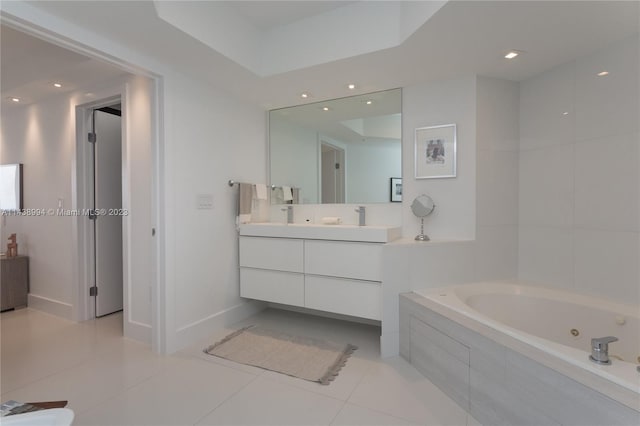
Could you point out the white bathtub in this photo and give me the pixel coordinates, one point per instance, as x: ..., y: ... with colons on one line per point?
x: 545, y: 319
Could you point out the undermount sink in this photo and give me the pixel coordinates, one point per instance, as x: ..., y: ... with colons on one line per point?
x: 373, y: 234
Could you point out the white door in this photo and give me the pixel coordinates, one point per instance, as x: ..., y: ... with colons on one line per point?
x: 108, y: 204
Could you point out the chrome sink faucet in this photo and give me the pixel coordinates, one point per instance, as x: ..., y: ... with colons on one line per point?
x: 600, y: 349
x: 361, y: 215
x: 289, y: 210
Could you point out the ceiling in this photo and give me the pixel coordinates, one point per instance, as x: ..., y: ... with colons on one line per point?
x: 460, y: 38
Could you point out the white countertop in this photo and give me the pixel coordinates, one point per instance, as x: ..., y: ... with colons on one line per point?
x: 373, y: 234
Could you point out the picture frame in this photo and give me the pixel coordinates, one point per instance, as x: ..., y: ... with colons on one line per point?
x: 395, y: 189
x: 435, y: 152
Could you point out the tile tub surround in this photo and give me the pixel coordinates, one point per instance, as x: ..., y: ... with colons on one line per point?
x: 501, y: 380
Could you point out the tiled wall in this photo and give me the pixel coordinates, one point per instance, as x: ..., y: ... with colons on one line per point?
x: 579, y: 185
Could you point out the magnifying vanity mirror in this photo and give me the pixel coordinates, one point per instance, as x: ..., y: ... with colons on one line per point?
x: 422, y: 206
x: 339, y: 151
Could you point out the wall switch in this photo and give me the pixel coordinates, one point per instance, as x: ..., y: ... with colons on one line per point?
x: 205, y: 201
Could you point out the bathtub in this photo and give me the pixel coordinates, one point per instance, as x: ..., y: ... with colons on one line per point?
x: 551, y: 327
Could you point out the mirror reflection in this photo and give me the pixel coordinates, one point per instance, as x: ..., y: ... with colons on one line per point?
x: 339, y: 151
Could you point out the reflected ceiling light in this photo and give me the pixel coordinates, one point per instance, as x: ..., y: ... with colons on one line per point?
x: 58, y: 85
x: 512, y: 54
x: 15, y: 99
x: 565, y: 113
x: 304, y: 95
x: 369, y: 102
x: 351, y: 86
x: 325, y: 108
x: 603, y: 73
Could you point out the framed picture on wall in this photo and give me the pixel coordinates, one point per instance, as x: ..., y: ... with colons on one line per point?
x: 395, y: 190
x: 435, y: 155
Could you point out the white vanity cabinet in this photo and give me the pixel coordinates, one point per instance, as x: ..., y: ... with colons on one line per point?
x: 342, y: 277
x: 272, y: 269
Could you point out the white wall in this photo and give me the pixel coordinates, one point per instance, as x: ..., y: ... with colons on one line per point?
x: 369, y: 166
x: 579, y: 181
x: 497, y: 135
x: 444, y: 102
x: 213, y: 138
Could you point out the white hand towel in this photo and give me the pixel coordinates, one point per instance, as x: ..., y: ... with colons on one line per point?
x: 261, y: 191
x: 287, y: 194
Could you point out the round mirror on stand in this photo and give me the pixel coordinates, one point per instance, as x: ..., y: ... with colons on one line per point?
x: 422, y: 206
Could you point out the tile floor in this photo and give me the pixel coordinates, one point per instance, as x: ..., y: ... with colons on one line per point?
x: 110, y: 380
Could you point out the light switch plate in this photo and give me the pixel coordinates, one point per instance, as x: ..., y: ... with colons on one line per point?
x: 205, y: 201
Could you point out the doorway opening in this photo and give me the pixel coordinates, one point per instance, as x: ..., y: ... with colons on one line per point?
x: 332, y: 173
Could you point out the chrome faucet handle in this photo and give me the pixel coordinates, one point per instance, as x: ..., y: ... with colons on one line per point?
x: 600, y: 349
x: 601, y: 342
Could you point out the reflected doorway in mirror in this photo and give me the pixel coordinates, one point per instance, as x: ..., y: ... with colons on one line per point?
x: 395, y: 190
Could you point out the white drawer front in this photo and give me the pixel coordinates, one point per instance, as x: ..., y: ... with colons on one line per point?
x: 344, y: 259
x: 348, y: 297
x: 279, y: 254
x: 272, y: 286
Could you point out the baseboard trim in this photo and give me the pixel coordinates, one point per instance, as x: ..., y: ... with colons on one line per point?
x: 200, y: 329
x: 137, y: 331
x: 50, y: 306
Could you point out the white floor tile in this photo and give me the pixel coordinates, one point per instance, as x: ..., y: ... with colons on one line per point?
x: 109, y: 380
x: 181, y: 394
x: 395, y: 388
x: 269, y: 402
x: 352, y: 415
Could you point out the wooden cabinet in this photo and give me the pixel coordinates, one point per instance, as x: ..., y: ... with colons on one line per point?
x: 334, y: 276
x: 14, y: 282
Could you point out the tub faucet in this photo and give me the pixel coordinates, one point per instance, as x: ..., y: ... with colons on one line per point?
x: 600, y: 349
x: 361, y: 218
x: 289, y: 210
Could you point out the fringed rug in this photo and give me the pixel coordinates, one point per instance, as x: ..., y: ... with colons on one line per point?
x: 302, y: 357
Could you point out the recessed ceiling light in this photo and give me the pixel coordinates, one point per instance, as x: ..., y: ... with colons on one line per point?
x: 58, y: 85
x: 325, y: 108
x: 512, y: 54
x: 304, y: 95
x: 603, y: 73
x: 351, y: 86
x: 15, y: 99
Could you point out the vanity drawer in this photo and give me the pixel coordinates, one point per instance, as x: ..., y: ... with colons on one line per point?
x: 343, y: 259
x: 343, y: 296
x: 279, y: 254
x: 272, y: 286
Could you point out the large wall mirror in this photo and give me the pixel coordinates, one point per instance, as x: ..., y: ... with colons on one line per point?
x: 340, y: 151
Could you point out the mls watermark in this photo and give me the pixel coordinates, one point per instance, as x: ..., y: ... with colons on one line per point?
x: 65, y: 212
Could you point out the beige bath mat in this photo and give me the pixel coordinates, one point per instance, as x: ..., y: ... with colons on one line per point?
x: 302, y: 357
